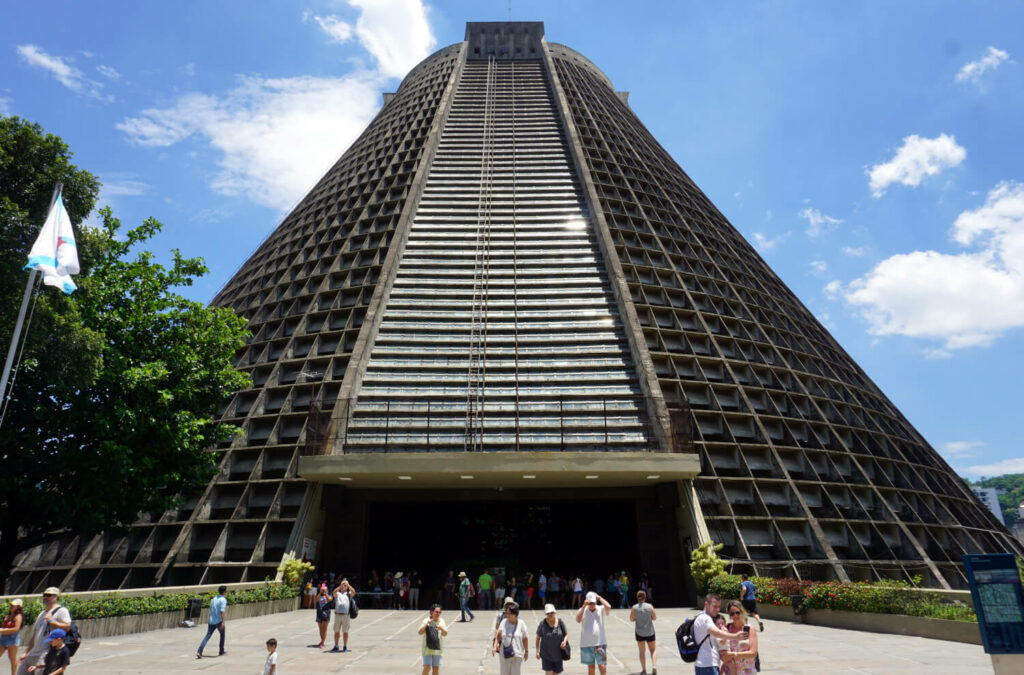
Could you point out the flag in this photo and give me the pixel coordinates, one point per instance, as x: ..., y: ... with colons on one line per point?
x: 54, y: 253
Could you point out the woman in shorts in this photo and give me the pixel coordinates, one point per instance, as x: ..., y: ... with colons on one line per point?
x: 552, y: 638
x: 644, y: 616
x: 324, y: 604
x: 10, y: 638
x: 434, y: 624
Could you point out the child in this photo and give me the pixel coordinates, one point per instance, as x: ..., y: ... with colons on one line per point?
x: 270, y: 668
x: 57, y: 657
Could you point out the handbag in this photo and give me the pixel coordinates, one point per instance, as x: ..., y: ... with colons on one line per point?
x: 507, y: 650
x: 353, y: 608
x: 433, y: 637
x: 567, y: 652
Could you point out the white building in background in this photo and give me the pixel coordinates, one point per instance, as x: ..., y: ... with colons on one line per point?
x: 990, y: 498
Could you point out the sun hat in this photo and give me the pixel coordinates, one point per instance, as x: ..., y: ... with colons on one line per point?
x: 56, y: 633
x: 509, y: 600
x: 549, y: 608
x: 16, y: 602
x: 398, y: 575
x: 462, y: 575
x: 591, y: 597
x: 52, y: 590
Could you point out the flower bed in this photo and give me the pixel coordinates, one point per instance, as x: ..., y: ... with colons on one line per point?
x: 885, y: 597
x: 115, y: 604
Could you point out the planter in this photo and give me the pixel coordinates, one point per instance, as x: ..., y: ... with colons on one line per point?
x: 894, y: 624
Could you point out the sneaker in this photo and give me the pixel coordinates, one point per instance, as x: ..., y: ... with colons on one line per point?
x: 199, y: 656
x: 345, y: 649
x: 654, y: 671
x: 335, y: 650
x: 222, y: 654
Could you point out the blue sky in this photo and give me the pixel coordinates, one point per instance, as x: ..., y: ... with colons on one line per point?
x: 872, y: 151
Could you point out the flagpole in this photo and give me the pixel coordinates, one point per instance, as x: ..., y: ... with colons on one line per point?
x: 15, y: 338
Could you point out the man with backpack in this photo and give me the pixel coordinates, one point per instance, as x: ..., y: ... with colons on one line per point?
x: 697, y: 638
x: 53, y: 617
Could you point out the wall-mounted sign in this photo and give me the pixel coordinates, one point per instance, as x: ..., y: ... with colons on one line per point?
x: 308, y: 548
x: 998, y: 601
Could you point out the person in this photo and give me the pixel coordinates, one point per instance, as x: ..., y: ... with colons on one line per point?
x: 593, y: 641
x: 343, y: 595
x: 218, y: 607
x: 431, y: 655
x: 741, y: 648
x: 624, y: 591
x: 748, y: 596
x: 512, y: 590
x: 485, y: 601
x: 599, y: 585
x: 508, y: 602
x: 309, y: 596
x: 644, y: 616
x: 52, y: 617
x: 449, y: 589
x: 511, y: 638
x: 465, y: 593
x: 323, y: 606
x: 415, y: 583
x: 10, y: 631
x: 499, y: 587
x: 399, y: 591
x: 57, y: 657
x: 552, y: 638
x: 709, y: 660
x: 531, y: 589
x: 270, y: 666
x: 542, y: 587
x: 555, y: 587
x: 577, y: 592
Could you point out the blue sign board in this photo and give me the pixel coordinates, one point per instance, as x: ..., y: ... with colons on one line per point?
x: 998, y: 600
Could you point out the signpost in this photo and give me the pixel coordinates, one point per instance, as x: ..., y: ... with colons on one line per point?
x: 999, y: 602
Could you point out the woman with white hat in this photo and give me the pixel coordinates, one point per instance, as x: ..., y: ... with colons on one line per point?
x: 552, y: 641
x: 10, y: 637
x: 512, y: 642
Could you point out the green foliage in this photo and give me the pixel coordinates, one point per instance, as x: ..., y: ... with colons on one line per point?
x: 1013, y: 486
x: 116, y: 403
x: 294, y: 570
x: 879, y: 597
x: 705, y: 564
x: 115, y: 604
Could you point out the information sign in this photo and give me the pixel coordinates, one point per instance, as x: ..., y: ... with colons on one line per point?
x: 998, y: 601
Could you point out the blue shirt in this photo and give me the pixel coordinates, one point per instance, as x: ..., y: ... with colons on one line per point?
x: 748, y: 590
x: 217, y: 607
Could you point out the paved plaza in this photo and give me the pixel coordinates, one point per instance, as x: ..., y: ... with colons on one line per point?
x: 385, y: 642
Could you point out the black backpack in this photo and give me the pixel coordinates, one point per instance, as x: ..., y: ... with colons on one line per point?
x: 353, y: 609
x: 433, y: 636
x: 688, y: 645
x: 73, y: 639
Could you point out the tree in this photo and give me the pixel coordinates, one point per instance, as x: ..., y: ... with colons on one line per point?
x: 705, y: 564
x: 115, y: 406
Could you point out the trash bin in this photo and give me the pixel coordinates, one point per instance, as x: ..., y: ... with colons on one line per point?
x: 194, y: 608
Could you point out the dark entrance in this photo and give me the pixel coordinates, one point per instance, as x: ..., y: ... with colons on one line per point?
x: 586, y: 532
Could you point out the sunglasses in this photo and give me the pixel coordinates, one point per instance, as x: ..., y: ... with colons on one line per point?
x: 49, y: 595
x: 734, y: 613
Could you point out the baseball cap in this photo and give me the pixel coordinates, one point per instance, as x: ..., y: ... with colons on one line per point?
x: 591, y: 597
x: 549, y: 608
x: 16, y: 602
x: 56, y: 633
x: 52, y: 590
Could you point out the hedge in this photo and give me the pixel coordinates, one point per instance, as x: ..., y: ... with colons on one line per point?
x: 115, y: 604
x: 885, y: 597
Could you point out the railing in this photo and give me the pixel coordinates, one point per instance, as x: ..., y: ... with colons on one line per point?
x: 555, y: 424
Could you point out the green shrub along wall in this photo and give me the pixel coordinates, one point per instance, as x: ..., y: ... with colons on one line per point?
x: 884, y: 597
x: 118, y: 605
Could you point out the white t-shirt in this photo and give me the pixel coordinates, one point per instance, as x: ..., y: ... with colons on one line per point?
x: 542, y: 583
x: 592, y: 634
x: 708, y: 656
x: 515, y: 634
x: 271, y: 661
x: 41, y: 628
x: 341, y: 602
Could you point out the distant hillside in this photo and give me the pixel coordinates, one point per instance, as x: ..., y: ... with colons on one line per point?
x: 1013, y: 484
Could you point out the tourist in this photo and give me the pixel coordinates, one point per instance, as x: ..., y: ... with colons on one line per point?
x: 748, y: 596
x: 709, y: 660
x: 450, y: 586
x: 740, y: 649
x: 613, y: 589
x: 644, y: 616
x: 415, y: 583
x: 433, y: 629
x: 542, y: 587
x: 508, y: 602
x: 53, y: 616
x: 499, y: 587
x: 486, y: 598
x: 10, y: 636
x: 599, y: 585
x: 531, y: 589
x: 323, y: 606
x: 465, y: 593
x: 552, y: 639
x: 270, y: 666
x: 512, y: 590
x: 554, y: 588
x: 593, y: 641
x: 577, y: 592
x: 513, y: 641
x: 57, y: 657
x: 218, y: 607
x: 343, y: 595
x: 624, y: 591
x: 396, y: 588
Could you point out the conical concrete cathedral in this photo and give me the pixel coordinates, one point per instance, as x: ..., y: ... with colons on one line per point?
x: 507, y: 323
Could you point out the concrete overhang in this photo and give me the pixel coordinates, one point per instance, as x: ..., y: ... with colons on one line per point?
x: 498, y: 469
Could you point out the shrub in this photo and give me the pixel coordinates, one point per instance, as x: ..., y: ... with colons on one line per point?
x: 705, y: 564
x: 293, y: 571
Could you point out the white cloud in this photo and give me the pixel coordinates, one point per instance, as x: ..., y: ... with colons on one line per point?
x: 1013, y: 465
x: 964, y: 300
x: 818, y: 223
x: 818, y: 267
x: 63, y: 72
x: 764, y: 243
x: 338, y: 30
x: 917, y: 157
x: 972, y: 71
x: 124, y: 188
x: 107, y: 71
x: 189, y: 69
x: 961, y: 449
x: 276, y: 136
x: 854, y: 252
x: 5, y: 106
x: 833, y: 289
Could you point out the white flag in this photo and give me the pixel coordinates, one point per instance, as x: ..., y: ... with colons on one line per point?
x: 54, y: 253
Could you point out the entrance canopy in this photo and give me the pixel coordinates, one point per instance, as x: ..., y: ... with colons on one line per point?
x: 498, y: 469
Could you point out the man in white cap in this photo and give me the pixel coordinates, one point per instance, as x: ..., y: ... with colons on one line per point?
x: 52, y: 617
x: 465, y: 593
x: 593, y: 642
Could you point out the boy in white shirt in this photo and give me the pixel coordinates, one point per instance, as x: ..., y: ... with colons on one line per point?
x: 271, y: 666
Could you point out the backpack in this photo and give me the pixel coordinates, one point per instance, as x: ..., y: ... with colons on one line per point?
x: 688, y: 645
x: 353, y: 609
x: 433, y: 637
x: 73, y: 639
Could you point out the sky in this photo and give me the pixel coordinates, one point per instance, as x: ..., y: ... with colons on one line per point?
x: 871, y: 151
